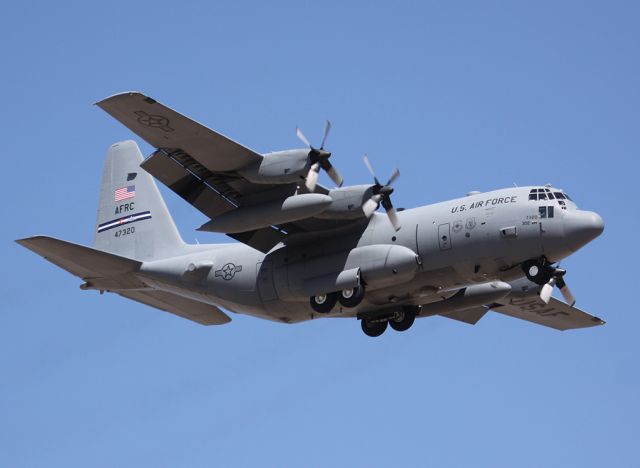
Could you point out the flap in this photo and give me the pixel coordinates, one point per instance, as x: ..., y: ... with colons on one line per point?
x: 163, y: 127
x: 470, y: 316
x: 556, y: 314
x: 204, y: 314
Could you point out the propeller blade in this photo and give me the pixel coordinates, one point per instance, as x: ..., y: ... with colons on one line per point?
x: 547, y: 290
x: 371, y: 205
x: 302, y: 138
x: 566, y: 292
x: 394, y: 176
x: 312, y: 177
x: 568, y: 296
x: 393, y: 217
x: 391, y: 213
x: 370, y: 167
x: 327, y: 129
x: 333, y: 173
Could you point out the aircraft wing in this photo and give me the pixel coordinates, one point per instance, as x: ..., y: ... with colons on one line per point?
x: 201, y: 166
x: 199, y: 312
x: 163, y: 127
x: 556, y: 314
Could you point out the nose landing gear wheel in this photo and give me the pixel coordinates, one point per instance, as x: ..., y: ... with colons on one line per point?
x: 373, y: 329
x: 323, y: 303
x: 351, y: 297
x: 403, y: 319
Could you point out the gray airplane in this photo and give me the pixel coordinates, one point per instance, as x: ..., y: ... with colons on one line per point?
x: 307, y: 251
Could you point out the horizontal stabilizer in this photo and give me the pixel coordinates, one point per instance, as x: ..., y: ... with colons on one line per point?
x: 85, y: 262
x: 556, y: 314
x: 199, y: 312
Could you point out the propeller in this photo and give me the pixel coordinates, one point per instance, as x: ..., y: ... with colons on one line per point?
x: 381, y: 194
x: 319, y: 159
x: 557, y: 279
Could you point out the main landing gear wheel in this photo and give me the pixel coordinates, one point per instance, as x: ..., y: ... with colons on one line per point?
x: 373, y: 328
x: 403, y: 319
x: 537, y: 272
x: 351, y: 297
x: 323, y: 303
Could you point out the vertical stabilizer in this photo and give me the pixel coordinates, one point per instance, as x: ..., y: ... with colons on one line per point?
x: 133, y: 220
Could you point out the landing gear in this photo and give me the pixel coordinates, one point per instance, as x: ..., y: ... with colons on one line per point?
x: 403, y: 319
x: 399, y: 320
x: 373, y: 327
x: 323, y: 303
x: 537, y: 271
x: 351, y: 297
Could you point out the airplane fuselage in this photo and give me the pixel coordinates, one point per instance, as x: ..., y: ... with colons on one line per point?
x: 462, y: 242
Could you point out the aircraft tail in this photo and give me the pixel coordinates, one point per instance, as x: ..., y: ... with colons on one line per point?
x: 133, y: 220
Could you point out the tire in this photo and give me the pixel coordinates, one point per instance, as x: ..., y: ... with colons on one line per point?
x: 373, y: 329
x: 351, y: 297
x: 536, y: 272
x: 323, y: 303
x: 404, y: 319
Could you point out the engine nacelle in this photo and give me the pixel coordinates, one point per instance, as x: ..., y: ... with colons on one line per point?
x: 347, y: 202
x: 280, y: 167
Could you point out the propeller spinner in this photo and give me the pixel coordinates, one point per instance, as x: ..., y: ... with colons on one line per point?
x: 319, y: 159
x: 381, y: 194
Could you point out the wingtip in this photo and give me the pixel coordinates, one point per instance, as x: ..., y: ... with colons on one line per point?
x: 118, y: 95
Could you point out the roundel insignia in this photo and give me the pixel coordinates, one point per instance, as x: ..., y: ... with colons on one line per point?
x: 457, y: 226
x: 228, y: 271
x: 154, y: 121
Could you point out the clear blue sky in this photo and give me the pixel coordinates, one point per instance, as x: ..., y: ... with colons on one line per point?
x: 459, y: 95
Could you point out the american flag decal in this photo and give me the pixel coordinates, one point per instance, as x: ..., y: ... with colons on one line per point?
x: 125, y: 192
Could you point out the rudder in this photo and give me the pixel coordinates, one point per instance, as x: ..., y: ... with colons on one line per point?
x: 133, y: 220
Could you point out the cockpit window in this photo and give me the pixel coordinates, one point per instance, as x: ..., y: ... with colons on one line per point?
x: 559, y: 195
x: 568, y: 197
x: 545, y: 211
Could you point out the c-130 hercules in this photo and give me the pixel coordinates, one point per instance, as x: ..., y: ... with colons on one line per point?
x: 306, y: 251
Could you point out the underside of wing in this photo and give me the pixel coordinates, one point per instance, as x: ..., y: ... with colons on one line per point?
x: 163, y: 127
x: 204, y: 314
x: 556, y: 314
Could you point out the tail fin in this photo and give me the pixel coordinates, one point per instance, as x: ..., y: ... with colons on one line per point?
x: 133, y: 220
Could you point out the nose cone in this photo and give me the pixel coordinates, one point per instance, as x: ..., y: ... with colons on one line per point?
x: 581, y: 227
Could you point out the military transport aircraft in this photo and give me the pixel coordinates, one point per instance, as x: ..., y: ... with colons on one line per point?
x: 306, y: 251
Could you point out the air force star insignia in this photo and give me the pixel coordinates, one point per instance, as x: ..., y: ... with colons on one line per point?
x: 228, y: 271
